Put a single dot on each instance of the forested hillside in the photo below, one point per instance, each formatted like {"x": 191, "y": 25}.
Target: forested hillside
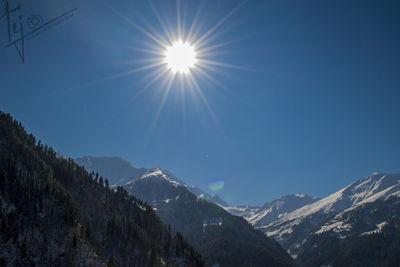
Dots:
{"x": 54, "y": 212}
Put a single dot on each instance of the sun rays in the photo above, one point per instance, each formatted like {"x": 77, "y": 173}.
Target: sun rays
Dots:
{"x": 179, "y": 56}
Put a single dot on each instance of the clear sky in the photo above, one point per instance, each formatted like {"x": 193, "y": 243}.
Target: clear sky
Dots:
{"x": 305, "y": 96}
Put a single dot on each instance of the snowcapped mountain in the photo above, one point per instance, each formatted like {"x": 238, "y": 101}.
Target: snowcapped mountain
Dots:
{"x": 271, "y": 211}
{"x": 291, "y": 229}
{"x": 365, "y": 235}
{"x": 160, "y": 185}
{"x": 156, "y": 186}
{"x": 121, "y": 172}
{"x": 298, "y": 222}
{"x": 206, "y": 225}
{"x": 221, "y": 238}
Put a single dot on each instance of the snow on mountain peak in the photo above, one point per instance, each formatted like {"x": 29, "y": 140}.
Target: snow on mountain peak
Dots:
{"x": 364, "y": 190}
{"x": 374, "y": 187}
{"x": 160, "y": 173}
{"x": 154, "y": 172}
{"x": 272, "y": 210}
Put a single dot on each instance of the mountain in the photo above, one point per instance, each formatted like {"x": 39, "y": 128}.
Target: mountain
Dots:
{"x": 190, "y": 210}
{"x": 116, "y": 169}
{"x": 366, "y": 235}
{"x": 271, "y": 211}
{"x": 222, "y": 239}
{"x": 120, "y": 171}
{"x": 55, "y": 213}
{"x": 157, "y": 181}
{"x": 292, "y": 228}
{"x": 358, "y": 225}
{"x": 155, "y": 187}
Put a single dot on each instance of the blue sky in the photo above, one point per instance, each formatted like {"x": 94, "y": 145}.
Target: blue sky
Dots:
{"x": 311, "y": 106}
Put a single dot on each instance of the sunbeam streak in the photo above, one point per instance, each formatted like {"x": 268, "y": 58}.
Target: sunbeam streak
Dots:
{"x": 179, "y": 56}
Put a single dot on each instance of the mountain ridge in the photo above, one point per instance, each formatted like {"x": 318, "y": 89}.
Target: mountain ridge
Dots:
{"x": 116, "y": 169}
{"x": 206, "y": 225}
{"x": 271, "y": 210}
{"x": 290, "y": 229}
{"x": 110, "y": 167}
{"x": 220, "y": 237}
{"x": 295, "y": 219}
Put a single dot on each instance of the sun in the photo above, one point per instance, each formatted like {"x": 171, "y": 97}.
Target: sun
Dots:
{"x": 180, "y": 57}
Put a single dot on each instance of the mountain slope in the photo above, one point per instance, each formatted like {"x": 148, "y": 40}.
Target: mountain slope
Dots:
{"x": 120, "y": 171}
{"x": 116, "y": 169}
{"x": 220, "y": 237}
{"x": 367, "y": 235}
{"x": 292, "y": 228}
{"x": 54, "y": 213}
{"x": 271, "y": 211}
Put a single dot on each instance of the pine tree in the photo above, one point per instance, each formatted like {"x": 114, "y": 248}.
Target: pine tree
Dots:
{"x": 111, "y": 260}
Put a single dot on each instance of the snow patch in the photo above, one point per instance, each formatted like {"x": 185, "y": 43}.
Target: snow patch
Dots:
{"x": 160, "y": 174}
{"x": 337, "y": 227}
{"x": 378, "y": 229}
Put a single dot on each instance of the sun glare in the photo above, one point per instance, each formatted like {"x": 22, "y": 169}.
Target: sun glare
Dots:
{"x": 180, "y": 57}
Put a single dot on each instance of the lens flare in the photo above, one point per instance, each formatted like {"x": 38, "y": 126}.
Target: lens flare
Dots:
{"x": 216, "y": 186}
